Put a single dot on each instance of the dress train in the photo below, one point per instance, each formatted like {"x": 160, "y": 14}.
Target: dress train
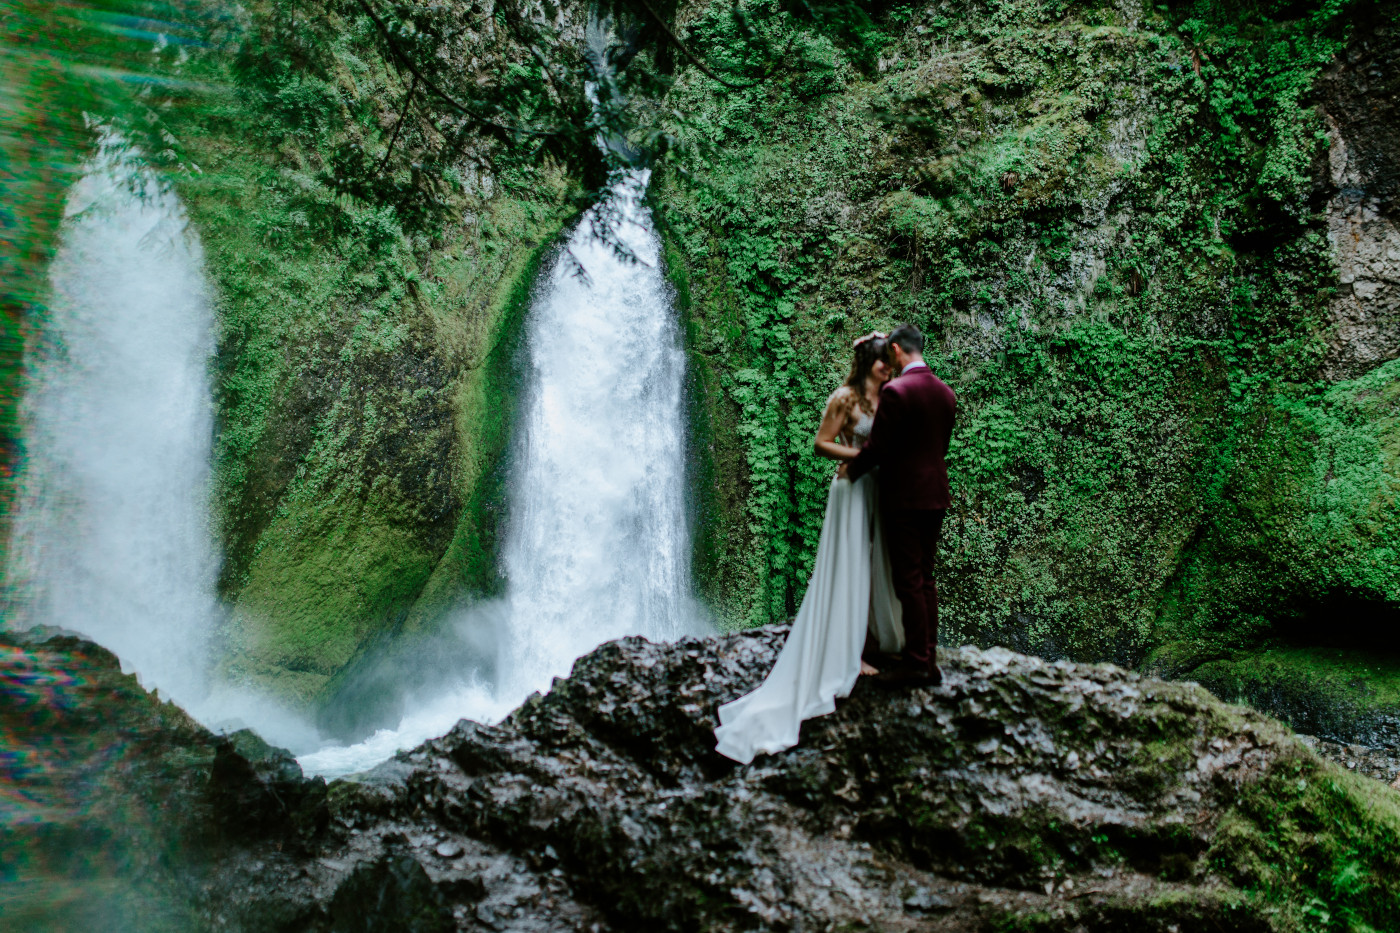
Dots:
{"x": 850, "y": 592}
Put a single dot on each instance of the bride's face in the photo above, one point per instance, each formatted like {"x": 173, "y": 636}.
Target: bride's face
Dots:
{"x": 881, "y": 371}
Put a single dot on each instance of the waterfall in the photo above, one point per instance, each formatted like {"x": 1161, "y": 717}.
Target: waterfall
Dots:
{"x": 598, "y": 543}
{"x": 111, "y": 535}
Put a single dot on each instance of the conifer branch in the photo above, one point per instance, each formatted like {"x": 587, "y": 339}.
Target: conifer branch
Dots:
{"x": 695, "y": 59}
{"x": 407, "y": 63}
{"x": 398, "y": 125}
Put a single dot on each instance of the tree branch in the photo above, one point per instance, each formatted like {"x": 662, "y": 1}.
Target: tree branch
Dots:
{"x": 430, "y": 85}
{"x": 398, "y": 124}
{"x": 695, "y": 59}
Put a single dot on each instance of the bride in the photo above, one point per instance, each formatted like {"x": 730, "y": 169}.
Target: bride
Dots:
{"x": 850, "y": 592}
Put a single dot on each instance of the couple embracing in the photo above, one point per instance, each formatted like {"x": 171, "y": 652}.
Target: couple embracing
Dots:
{"x": 871, "y": 606}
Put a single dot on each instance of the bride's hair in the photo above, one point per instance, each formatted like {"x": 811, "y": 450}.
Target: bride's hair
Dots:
{"x": 868, "y": 349}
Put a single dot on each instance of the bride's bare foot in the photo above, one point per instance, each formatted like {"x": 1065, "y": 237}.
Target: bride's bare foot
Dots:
{"x": 867, "y": 669}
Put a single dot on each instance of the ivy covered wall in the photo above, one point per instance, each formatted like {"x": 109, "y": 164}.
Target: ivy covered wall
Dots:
{"x": 1116, "y": 224}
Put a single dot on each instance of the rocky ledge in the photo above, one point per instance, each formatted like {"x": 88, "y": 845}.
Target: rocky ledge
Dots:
{"x": 1019, "y": 795}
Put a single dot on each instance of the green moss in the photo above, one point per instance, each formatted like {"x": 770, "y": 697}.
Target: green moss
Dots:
{"x": 1372, "y": 679}
{"x": 368, "y": 321}
{"x": 711, "y": 508}
{"x": 1318, "y": 844}
{"x": 1101, "y": 219}
{"x": 1307, "y": 515}
{"x": 1349, "y": 695}
{"x": 326, "y": 579}
{"x": 486, "y": 408}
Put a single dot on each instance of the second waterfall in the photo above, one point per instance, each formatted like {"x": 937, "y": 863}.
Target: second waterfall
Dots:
{"x": 598, "y": 542}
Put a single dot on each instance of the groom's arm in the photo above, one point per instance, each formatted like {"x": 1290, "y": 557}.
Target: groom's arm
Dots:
{"x": 881, "y": 438}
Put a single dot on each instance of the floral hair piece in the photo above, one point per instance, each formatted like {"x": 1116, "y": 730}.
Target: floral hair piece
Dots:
{"x": 873, "y": 335}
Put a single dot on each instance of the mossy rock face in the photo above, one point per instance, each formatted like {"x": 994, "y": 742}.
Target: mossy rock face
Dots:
{"x": 370, "y": 315}
{"x": 1121, "y": 229}
{"x": 1345, "y": 695}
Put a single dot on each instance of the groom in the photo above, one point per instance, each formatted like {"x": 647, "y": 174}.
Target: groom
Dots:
{"x": 908, "y": 442}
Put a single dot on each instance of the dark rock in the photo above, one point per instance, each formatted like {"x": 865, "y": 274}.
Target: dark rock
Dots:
{"x": 258, "y": 790}
{"x": 391, "y": 895}
{"x": 1018, "y": 793}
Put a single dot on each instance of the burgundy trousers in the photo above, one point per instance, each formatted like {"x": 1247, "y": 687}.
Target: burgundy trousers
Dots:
{"x": 912, "y": 538}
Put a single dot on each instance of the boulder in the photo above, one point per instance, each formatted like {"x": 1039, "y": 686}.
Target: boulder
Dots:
{"x": 1019, "y": 794}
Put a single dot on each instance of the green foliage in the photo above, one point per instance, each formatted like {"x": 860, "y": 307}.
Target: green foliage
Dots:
{"x": 368, "y": 311}
{"x": 1102, "y": 222}
{"x": 1317, "y": 844}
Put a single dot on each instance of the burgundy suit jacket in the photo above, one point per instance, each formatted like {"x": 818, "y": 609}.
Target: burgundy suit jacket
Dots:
{"x": 909, "y": 441}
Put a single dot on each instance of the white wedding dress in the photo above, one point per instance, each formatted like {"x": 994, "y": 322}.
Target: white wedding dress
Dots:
{"x": 850, "y": 592}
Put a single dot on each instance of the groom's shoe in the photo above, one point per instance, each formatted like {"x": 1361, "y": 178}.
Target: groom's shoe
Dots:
{"x": 893, "y": 680}
{"x": 911, "y": 675}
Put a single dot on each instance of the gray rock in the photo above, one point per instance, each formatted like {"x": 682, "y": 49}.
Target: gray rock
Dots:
{"x": 1016, "y": 789}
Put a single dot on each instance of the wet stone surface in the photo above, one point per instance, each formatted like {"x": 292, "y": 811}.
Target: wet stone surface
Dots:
{"x": 1065, "y": 796}
{"x": 1383, "y": 764}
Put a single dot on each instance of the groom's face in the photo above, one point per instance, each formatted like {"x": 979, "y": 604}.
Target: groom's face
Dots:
{"x": 898, "y": 358}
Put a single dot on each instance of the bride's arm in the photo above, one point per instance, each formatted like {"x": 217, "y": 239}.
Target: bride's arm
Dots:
{"x": 838, "y": 410}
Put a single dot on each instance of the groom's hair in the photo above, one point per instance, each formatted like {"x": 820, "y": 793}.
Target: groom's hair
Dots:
{"x": 908, "y": 338}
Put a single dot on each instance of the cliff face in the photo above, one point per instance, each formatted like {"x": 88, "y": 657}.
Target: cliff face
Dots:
{"x": 373, "y": 254}
{"x": 1151, "y": 248}
{"x": 1362, "y": 182}
{"x": 1021, "y": 794}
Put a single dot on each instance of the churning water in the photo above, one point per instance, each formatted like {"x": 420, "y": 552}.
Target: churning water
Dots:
{"x": 112, "y": 533}
{"x": 598, "y": 544}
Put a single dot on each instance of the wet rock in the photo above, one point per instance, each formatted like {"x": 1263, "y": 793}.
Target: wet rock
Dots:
{"x": 448, "y": 850}
{"x": 1018, "y": 788}
{"x": 1361, "y": 181}
{"x": 1382, "y": 764}
{"x": 391, "y": 895}
{"x": 924, "y": 901}
{"x": 1019, "y": 792}
{"x": 101, "y": 783}
{"x": 259, "y": 790}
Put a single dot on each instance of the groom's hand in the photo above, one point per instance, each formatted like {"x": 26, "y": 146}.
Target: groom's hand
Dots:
{"x": 841, "y": 470}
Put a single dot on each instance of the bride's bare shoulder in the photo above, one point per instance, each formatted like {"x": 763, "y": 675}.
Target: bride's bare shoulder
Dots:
{"x": 844, "y": 397}
{"x": 840, "y": 404}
